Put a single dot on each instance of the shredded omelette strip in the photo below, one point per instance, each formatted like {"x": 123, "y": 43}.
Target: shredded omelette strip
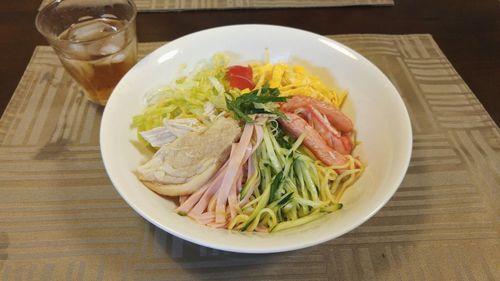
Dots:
{"x": 295, "y": 80}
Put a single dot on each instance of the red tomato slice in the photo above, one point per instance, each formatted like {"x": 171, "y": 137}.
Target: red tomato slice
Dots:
{"x": 245, "y": 71}
{"x": 240, "y": 77}
{"x": 240, "y": 82}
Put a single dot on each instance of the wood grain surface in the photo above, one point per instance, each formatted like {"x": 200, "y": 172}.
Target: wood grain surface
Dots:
{"x": 176, "y": 5}
{"x": 467, "y": 31}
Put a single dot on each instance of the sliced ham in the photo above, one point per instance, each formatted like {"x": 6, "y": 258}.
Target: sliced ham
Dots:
{"x": 234, "y": 164}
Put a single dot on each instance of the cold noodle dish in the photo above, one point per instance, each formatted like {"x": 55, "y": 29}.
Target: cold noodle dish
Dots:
{"x": 256, "y": 147}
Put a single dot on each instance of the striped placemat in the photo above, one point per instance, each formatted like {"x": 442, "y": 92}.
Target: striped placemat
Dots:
{"x": 61, "y": 219}
{"x": 179, "y": 5}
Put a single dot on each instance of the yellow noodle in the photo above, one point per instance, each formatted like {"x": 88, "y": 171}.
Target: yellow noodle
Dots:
{"x": 238, "y": 220}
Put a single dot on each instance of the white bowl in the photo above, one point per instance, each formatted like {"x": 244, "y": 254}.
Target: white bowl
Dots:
{"x": 378, "y": 112}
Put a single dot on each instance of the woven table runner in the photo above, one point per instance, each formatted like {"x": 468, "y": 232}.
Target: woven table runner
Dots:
{"x": 179, "y": 5}
{"x": 61, "y": 219}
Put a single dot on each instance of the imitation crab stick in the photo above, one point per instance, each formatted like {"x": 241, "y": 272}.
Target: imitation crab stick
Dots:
{"x": 296, "y": 126}
{"x": 338, "y": 119}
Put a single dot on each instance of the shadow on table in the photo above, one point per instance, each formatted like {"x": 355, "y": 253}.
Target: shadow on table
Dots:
{"x": 357, "y": 255}
{"x": 165, "y": 256}
{"x": 4, "y": 244}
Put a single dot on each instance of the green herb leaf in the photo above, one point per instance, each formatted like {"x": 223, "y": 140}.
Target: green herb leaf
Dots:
{"x": 257, "y": 101}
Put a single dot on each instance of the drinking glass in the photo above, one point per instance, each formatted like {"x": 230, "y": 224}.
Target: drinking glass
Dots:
{"x": 95, "y": 41}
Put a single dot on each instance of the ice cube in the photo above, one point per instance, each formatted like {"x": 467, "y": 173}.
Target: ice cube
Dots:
{"x": 112, "y": 44}
{"x": 90, "y": 30}
{"x": 77, "y": 50}
{"x": 118, "y": 58}
{"x": 109, "y": 49}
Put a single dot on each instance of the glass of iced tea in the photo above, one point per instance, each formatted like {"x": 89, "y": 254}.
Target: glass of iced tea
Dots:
{"x": 95, "y": 40}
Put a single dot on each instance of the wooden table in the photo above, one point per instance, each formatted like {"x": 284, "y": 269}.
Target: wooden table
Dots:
{"x": 467, "y": 31}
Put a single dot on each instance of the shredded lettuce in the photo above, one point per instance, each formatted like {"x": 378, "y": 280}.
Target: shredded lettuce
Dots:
{"x": 187, "y": 96}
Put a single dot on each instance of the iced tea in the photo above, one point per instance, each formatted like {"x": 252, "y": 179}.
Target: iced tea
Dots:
{"x": 94, "y": 39}
{"x": 102, "y": 62}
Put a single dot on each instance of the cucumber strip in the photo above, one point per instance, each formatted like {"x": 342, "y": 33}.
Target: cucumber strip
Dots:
{"x": 289, "y": 224}
{"x": 264, "y": 199}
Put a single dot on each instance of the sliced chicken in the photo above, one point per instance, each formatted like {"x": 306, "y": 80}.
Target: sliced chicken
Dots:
{"x": 184, "y": 165}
